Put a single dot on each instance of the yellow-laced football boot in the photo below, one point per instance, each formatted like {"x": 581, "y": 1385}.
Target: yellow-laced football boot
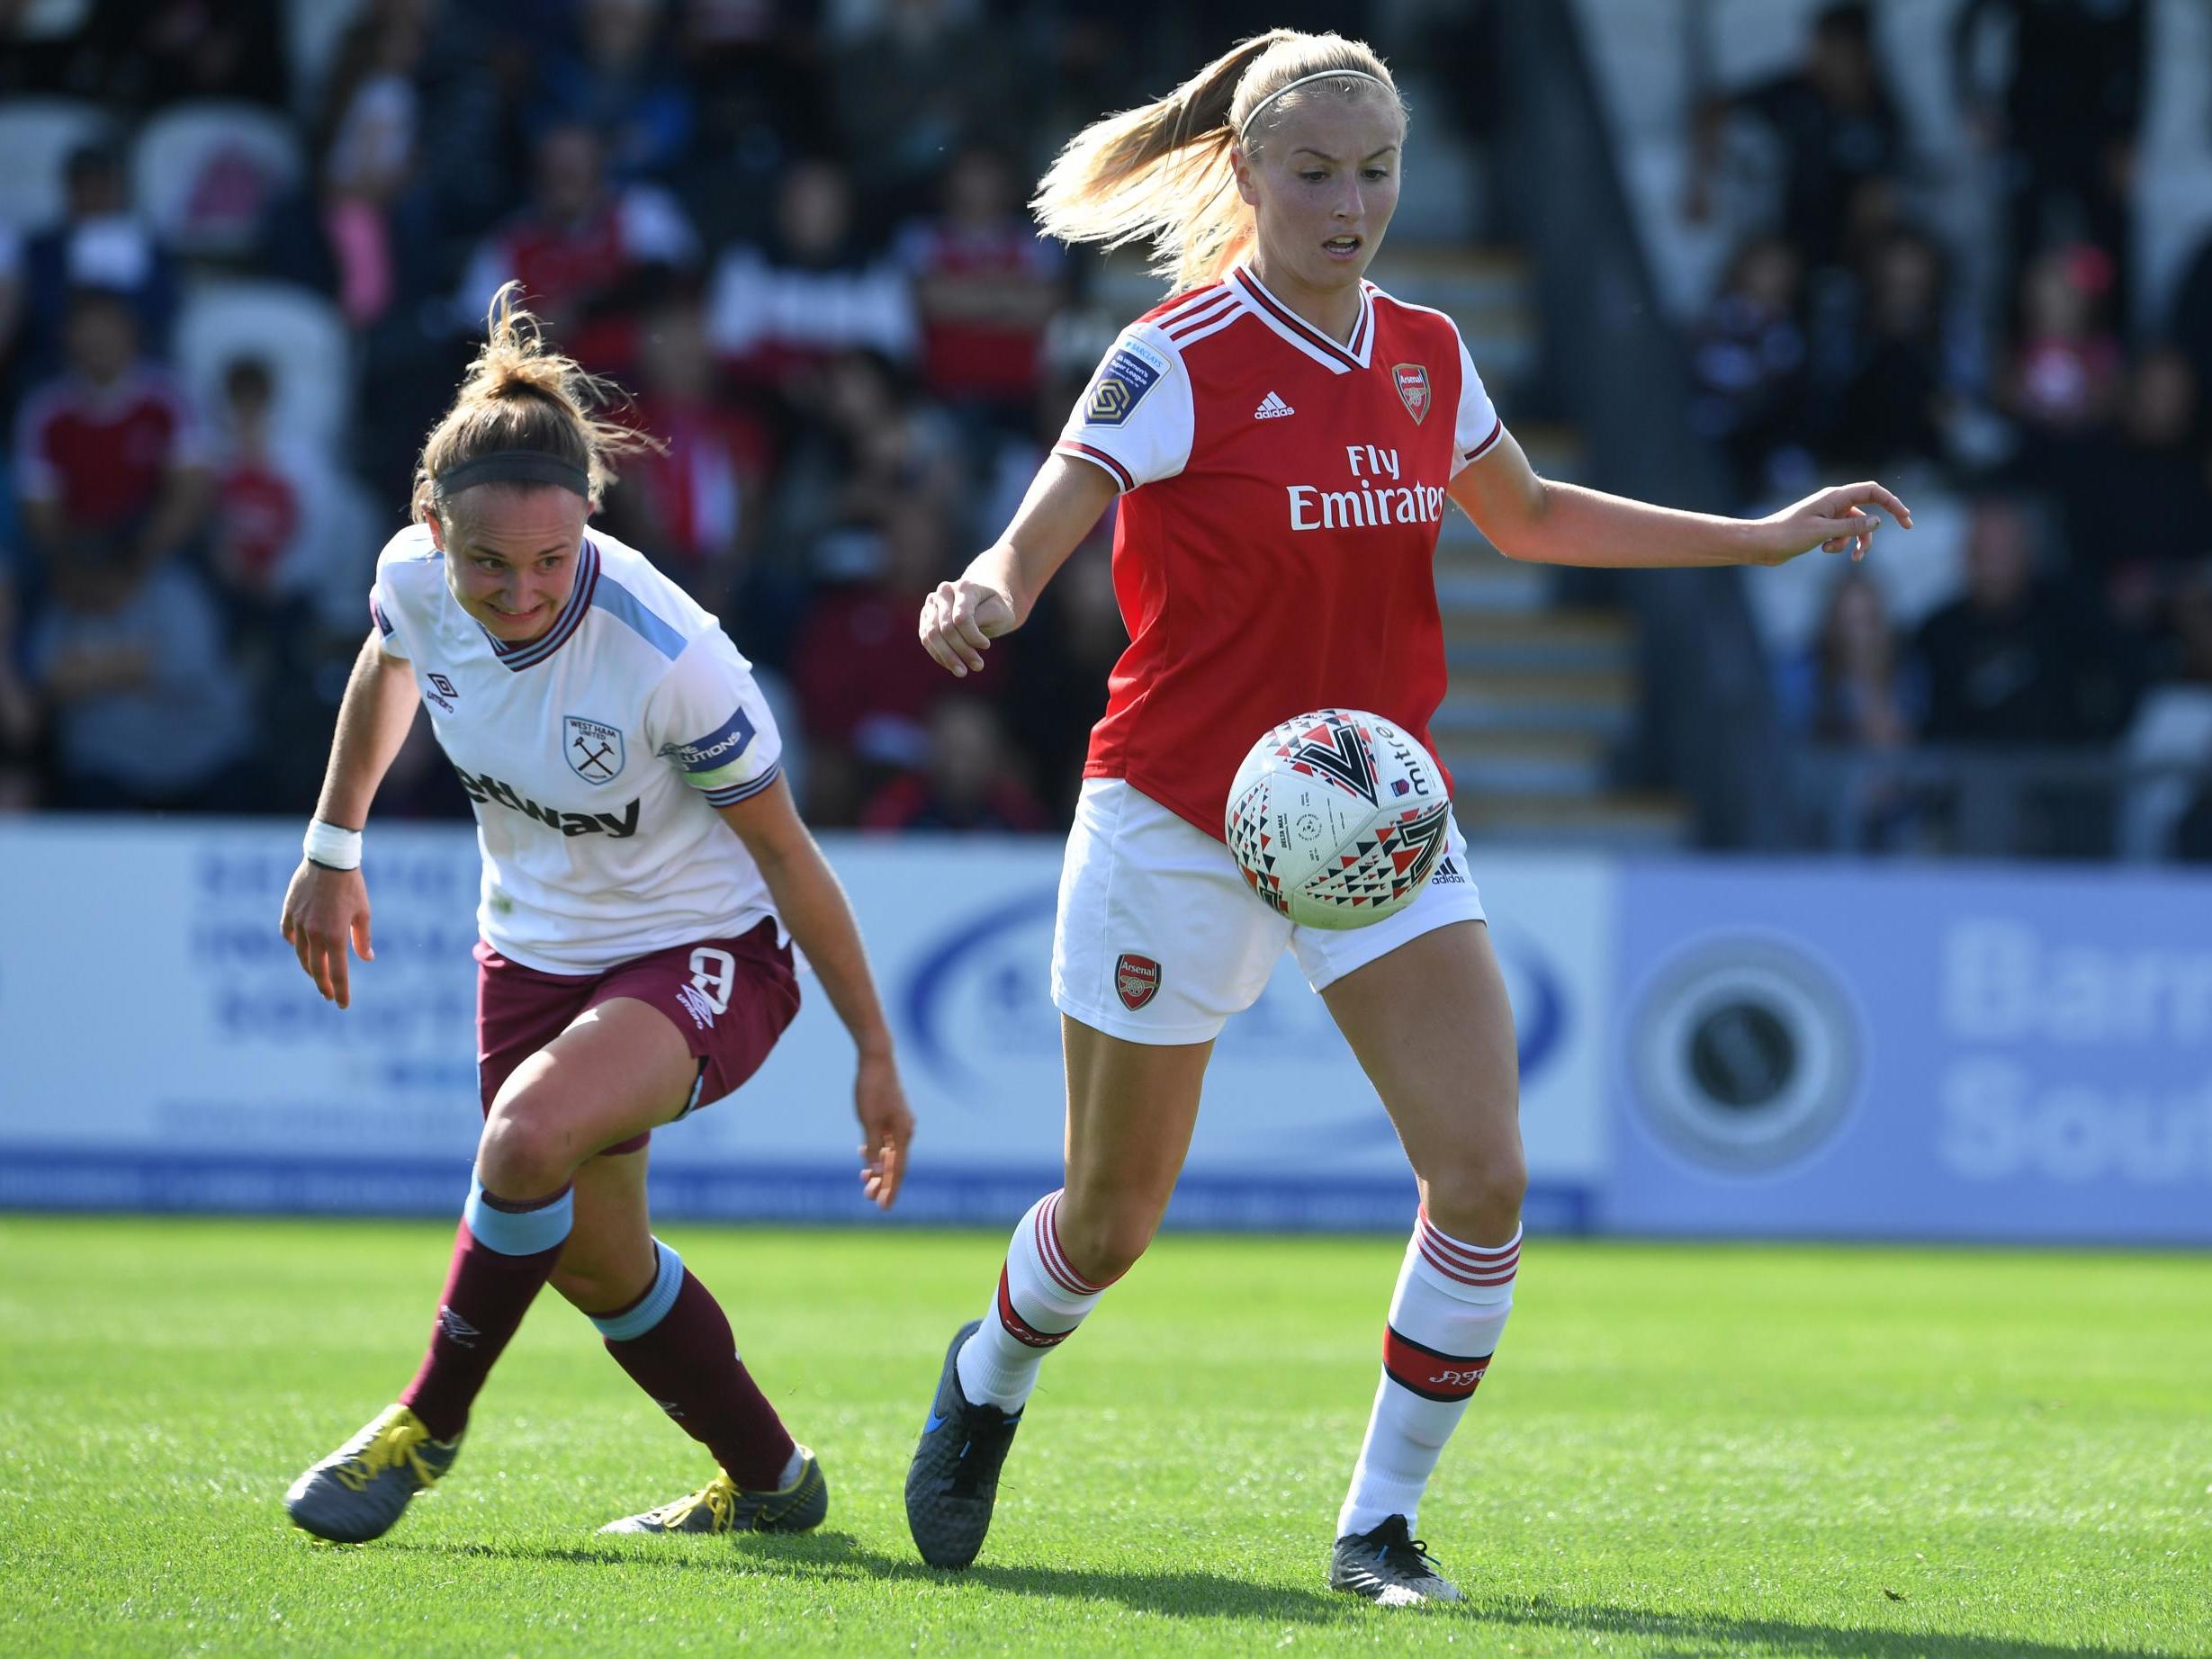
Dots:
{"x": 357, "y": 1492}
{"x": 722, "y": 1505}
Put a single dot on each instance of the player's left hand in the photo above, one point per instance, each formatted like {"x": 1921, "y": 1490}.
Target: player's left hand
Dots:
{"x": 880, "y": 1102}
{"x": 1835, "y": 520}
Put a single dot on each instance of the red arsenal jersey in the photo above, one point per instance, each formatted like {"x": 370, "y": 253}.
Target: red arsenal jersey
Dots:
{"x": 1275, "y": 547}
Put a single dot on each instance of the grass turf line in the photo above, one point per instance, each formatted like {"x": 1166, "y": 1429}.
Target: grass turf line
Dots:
{"x": 1847, "y": 1454}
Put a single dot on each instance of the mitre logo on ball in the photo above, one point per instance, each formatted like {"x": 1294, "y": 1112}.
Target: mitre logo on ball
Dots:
{"x": 1336, "y": 819}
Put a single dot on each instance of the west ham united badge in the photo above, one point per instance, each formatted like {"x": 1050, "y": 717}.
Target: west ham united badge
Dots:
{"x": 1411, "y": 379}
{"x": 1137, "y": 979}
{"x": 592, "y": 749}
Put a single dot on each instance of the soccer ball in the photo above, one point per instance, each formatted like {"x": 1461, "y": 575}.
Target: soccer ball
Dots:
{"x": 1337, "y": 818}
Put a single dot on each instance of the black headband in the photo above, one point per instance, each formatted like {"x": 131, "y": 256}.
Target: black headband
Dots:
{"x": 517, "y": 466}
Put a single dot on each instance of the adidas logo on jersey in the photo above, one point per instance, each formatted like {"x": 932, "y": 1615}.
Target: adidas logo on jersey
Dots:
{"x": 1272, "y": 408}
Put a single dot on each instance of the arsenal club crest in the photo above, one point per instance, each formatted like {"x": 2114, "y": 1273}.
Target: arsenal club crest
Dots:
{"x": 1411, "y": 379}
{"x": 593, "y": 751}
{"x": 1137, "y": 979}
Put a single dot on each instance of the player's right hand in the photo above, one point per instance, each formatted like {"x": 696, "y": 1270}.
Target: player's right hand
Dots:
{"x": 960, "y": 620}
{"x": 324, "y": 911}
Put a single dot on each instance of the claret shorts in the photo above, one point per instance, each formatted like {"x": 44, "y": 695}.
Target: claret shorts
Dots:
{"x": 731, "y": 999}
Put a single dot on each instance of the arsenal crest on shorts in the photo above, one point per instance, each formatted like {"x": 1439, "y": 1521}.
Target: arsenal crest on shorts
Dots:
{"x": 1137, "y": 979}
{"x": 1411, "y": 379}
{"x": 592, "y": 749}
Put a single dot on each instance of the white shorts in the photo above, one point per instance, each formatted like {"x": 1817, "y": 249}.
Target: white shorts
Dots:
{"x": 1158, "y": 940}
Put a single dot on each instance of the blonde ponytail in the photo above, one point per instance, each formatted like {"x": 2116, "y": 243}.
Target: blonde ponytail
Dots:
{"x": 1161, "y": 171}
{"x": 520, "y": 394}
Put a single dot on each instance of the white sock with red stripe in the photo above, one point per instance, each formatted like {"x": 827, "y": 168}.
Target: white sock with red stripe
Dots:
{"x": 1040, "y": 1301}
{"x": 1451, "y": 1303}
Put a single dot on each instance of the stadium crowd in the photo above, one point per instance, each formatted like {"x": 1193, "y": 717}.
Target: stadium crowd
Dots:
{"x": 1860, "y": 329}
{"x": 795, "y": 230}
{"x": 795, "y": 234}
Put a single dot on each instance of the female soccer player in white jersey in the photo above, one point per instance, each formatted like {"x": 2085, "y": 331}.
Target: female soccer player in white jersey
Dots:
{"x": 1283, "y": 435}
{"x": 645, "y": 871}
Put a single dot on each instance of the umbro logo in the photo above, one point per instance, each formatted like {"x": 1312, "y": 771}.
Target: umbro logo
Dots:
{"x": 457, "y": 1329}
{"x": 1272, "y": 408}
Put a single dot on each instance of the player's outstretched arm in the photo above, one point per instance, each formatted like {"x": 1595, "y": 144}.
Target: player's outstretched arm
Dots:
{"x": 995, "y": 593}
{"x": 325, "y": 909}
{"x": 1544, "y": 522}
{"x": 813, "y": 905}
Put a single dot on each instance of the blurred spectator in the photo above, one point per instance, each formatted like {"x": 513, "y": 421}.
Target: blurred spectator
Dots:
{"x": 2191, "y": 313}
{"x": 2066, "y": 372}
{"x": 21, "y": 723}
{"x": 873, "y": 453}
{"x": 148, "y": 712}
{"x": 2063, "y": 124}
{"x": 2016, "y": 659}
{"x": 12, "y": 294}
{"x": 691, "y": 507}
{"x": 100, "y": 243}
{"x": 1748, "y": 361}
{"x": 760, "y": 79}
{"x": 374, "y": 117}
{"x": 984, "y": 283}
{"x": 1853, "y": 691}
{"x": 1834, "y": 122}
{"x": 109, "y": 451}
{"x": 908, "y": 76}
{"x": 590, "y": 255}
{"x": 2136, "y": 501}
{"x": 398, "y": 62}
{"x": 156, "y": 52}
{"x": 617, "y": 75}
{"x": 868, "y": 699}
{"x": 2172, "y": 814}
{"x": 969, "y": 782}
{"x": 281, "y": 518}
{"x": 1911, "y": 361}
{"x": 778, "y": 312}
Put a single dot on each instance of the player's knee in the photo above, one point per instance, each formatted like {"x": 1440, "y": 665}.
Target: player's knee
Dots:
{"x": 1103, "y": 1238}
{"x": 523, "y": 1154}
{"x": 1476, "y": 1193}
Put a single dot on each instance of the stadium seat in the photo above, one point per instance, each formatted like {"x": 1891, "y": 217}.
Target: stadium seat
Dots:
{"x": 297, "y": 332}
{"x": 205, "y": 174}
{"x": 36, "y": 136}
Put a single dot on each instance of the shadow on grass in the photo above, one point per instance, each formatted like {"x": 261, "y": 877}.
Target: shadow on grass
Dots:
{"x": 827, "y": 1556}
{"x": 1782, "y": 1636}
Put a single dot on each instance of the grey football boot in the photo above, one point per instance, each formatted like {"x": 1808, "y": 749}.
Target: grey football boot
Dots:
{"x": 722, "y": 1505}
{"x": 357, "y": 1492}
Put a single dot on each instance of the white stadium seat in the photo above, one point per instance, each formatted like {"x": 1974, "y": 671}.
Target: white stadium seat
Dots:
{"x": 205, "y": 173}
{"x": 297, "y": 332}
{"x": 36, "y": 137}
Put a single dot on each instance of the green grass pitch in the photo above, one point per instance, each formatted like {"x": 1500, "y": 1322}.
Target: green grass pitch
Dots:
{"x": 1681, "y": 1451}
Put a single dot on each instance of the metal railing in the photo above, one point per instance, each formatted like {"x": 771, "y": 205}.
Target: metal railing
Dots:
{"x": 2039, "y": 802}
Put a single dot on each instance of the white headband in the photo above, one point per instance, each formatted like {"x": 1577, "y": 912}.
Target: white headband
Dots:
{"x": 1325, "y": 74}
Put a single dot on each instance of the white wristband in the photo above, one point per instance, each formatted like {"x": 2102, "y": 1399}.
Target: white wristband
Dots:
{"x": 332, "y": 847}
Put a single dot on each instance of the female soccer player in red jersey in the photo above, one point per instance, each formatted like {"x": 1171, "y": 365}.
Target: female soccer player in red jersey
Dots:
{"x": 1283, "y": 435}
{"x": 645, "y": 873}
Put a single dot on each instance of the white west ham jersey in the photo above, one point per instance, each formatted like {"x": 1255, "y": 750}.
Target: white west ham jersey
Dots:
{"x": 595, "y": 755}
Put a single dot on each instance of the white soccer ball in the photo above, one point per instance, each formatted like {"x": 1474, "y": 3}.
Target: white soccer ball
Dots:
{"x": 1337, "y": 818}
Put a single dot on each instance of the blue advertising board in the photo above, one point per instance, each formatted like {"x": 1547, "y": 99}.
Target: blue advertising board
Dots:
{"x": 1908, "y": 1052}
